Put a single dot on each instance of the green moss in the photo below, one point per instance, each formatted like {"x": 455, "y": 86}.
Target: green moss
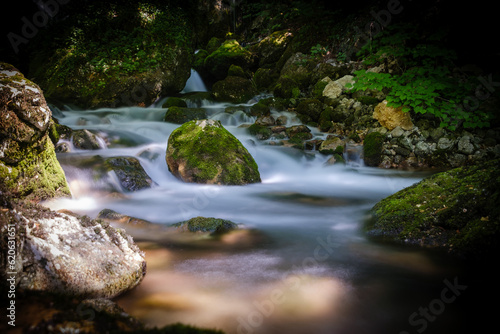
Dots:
{"x": 209, "y": 153}
{"x": 456, "y": 210}
{"x": 203, "y": 224}
{"x": 174, "y": 102}
{"x": 309, "y": 110}
{"x": 236, "y": 71}
{"x": 180, "y": 115}
{"x": 372, "y": 148}
{"x": 260, "y": 132}
{"x": 368, "y": 100}
{"x": 260, "y": 109}
{"x": 38, "y": 176}
{"x": 233, "y": 89}
{"x": 229, "y": 53}
{"x": 286, "y": 88}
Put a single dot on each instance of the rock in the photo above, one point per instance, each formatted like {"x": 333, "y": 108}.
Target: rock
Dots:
{"x": 63, "y": 254}
{"x": 332, "y": 90}
{"x": 130, "y": 173}
{"x": 28, "y": 164}
{"x": 134, "y": 73}
{"x": 265, "y": 121}
{"x": 203, "y": 224}
{"x": 298, "y": 68}
{"x": 179, "y": 115}
{"x": 372, "y": 148}
{"x": 296, "y": 129}
{"x": 465, "y": 146}
{"x": 286, "y": 88}
{"x": 234, "y": 90}
{"x": 309, "y": 110}
{"x": 174, "y": 102}
{"x": 86, "y": 140}
{"x": 260, "y": 109}
{"x": 260, "y": 132}
{"x": 397, "y": 132}
{"x": 390, "y": 117}
{"x": 445, "y": 143}
{"x": 204, "y": 152}
{"x": 455, "y": 210}
{"x": 230, "y": 52}
{"x": 270, "y": 49}
{"x": 333, "y": 145}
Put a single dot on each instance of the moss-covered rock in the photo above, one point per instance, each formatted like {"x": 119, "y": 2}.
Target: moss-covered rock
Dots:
{"x": 204, "y": 224}
{"x": 260, "y": 132}
{"x": 286, "y": 88}
{"x": 270, "y": 49}
{"x": 309, "y": 110}
{"x": 456, "y": 210}
{"x": 204, "y": 152}
{"x": 260, "y": 109}
{"x": 28, "y": 165}
{"x": 132, "y": 57}
{"x": 233, "y": 89}
{"x": 179, "y": 115}
{"x": 236, "y": 71}
{"x": 372, "y": 148}
{"x": 299, "y": 67}
{"x": 229, "y": 53}
{"x": 174, "y": 102}
{"x": 130, "y": 173}
{"x": 265, "y": 79}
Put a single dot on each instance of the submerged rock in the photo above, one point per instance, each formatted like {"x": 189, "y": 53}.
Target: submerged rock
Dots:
{"x": 204, "y": 152}
{"x": 455, "y": 210}
{"x": 63, "y": 254}
{"x": 130, "y": 173}
{"x": 28, "y": 164}
{"x": 204, "y": 224}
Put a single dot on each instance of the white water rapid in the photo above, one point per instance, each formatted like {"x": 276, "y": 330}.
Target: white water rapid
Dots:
{"x": 305, "y": 266}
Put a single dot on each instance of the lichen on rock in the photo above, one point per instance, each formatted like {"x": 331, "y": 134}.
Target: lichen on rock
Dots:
{"x": 28, "y": 164}
{"x": 203, "y": 151}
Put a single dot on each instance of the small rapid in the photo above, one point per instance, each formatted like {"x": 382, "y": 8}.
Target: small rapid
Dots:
{"x": 302, "y": 266}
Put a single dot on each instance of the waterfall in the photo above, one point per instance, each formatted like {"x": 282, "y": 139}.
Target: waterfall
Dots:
{"x": 194, "y": 83}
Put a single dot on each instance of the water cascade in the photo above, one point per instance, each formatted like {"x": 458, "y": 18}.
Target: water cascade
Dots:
{"x": 301, "y": 263}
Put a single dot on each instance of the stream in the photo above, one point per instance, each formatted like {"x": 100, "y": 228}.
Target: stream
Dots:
{"x": 301, "y": 262}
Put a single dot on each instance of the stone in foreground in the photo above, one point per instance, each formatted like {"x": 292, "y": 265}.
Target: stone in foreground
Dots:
{"x": 203, "y": 151}
{"x": 67, "y": 255}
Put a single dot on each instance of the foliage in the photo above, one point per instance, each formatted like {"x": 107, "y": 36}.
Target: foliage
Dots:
{"x": 109, "y": 40}
{"x": 421, "y": 78}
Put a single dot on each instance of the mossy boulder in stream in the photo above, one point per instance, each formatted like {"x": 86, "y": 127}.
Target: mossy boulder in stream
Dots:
{"x": 456, "y": 210}
{"x": 180, "y": 115}
{"x": 204, "y": 224}
{"x": 203, "y": 151}
{"x": 229, "y": 53}
{"x": 28, "y": 165}
{"x": 372, "y": 148}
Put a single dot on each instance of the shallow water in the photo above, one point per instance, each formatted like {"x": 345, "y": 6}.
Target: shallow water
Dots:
{"x": 300, "y": 264}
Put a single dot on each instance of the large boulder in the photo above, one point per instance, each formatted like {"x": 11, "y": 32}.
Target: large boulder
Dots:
{"x": 180, "y": 115}
{"x": 229, "y": 53}
{"x": 64, "y": 254}
{"x": 271, "y": 48}
{"x": 28, "y": 164}
{"x": 233, "y": 89}
{"x": 456, "y": 210}
{"x": 204, "y": 152}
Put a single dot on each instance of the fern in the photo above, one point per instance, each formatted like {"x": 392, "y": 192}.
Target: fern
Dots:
{"x": 423, "y": 82}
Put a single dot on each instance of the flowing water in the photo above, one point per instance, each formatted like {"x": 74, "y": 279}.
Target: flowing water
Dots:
{"x": 301, "y": 262}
